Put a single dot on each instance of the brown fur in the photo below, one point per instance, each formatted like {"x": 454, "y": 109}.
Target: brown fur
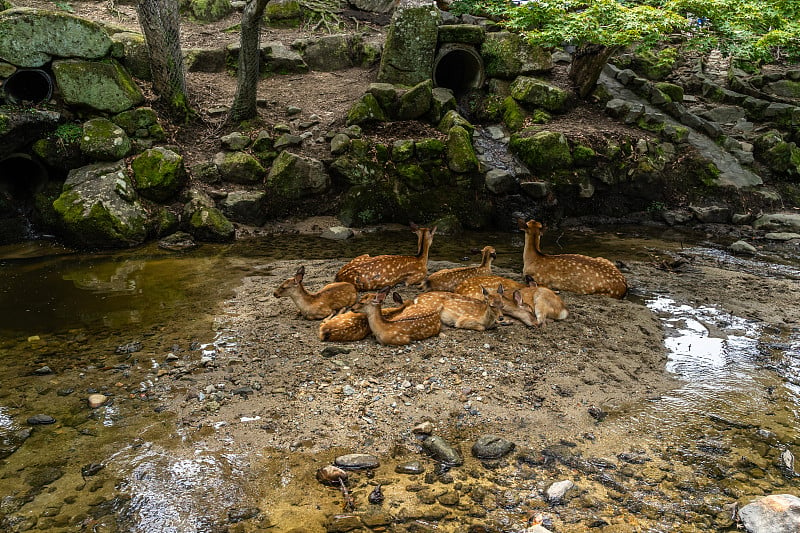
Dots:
{"x": 449, "y": 278}
{"x": 313, "y": 306}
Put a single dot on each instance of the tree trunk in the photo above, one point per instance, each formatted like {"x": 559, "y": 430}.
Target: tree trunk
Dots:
{"x": 587, "y": 64}
{"x": 244, "y": 103}
{"x": 160, "y": 23}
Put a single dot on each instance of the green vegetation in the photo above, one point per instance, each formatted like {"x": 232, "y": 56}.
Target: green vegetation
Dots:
{"x": 69, "y": 133}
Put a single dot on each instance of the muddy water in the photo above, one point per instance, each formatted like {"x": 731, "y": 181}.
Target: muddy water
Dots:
{"x": 113, "y": 323}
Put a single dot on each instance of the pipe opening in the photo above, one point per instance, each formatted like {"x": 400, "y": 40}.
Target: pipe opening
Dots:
{"x": 21, "y": 177}
{"x": 31, "y": 85}
{"x": 458, "y": 67}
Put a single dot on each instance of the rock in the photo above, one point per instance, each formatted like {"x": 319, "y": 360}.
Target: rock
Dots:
{"x": 209, "y": 224}
{"x": 31, "y": 37}
{"x": 208, "y": 10}
{"x": 235, "y": 141}
{"x": 544, "y": 151}
{"x": 331, "y": 52}
{"x": 284, "y": 13}
{"x": 356, "y": 461}
{"x": 99, "y": 208}
{"x": 178, "y": 242}
{"x": 676, "y": 217}
{"x": 491, "y": 447}
{"x": 534, "y": 93}
{"x": 103, "y": 86}
{"x": 342, "y": 523}
{"x": 461, "y": 155}
{"x": 102, "y": 140}
{"x": 442, "y": 101}
{"x": 43, "y": 371}
{"x": 442, "y": 451}
{"x": 411, "y": 468}
{"x": 20, "y": 127}
{"x": 247, "y": 207}
{"x": 462, "y": 33}
{"x": 277, "y": 57}
{"x": 159, "y": 174}
{"x": 535, "y": 189}
{"x": 365, "y": 110}
{"x": 777, "y": 513}
{"x": 712, "y": 214}
{"x": 408, "y": 52}
{"x": 781, "y": 236}
{"x": 500, "y": 181}
{"x": 41, "y": 420}
{"x": 555, "y": 493}
{"x": 96, "y": 400}
{"x": 778, "y": 222}
{"x": 239, "y": 167}
{"x": 287, "y": 140}
{"x": 507, "y": 55}
{"x": 337, "y": 233}
{"x": 742, "y": 247}
{"x": 453, "y": 118}
{"x": 423, "y": 428}
{"x": 340, "y": 144}
{"x": 416, "y": 101}
{"x": 135, "y": 56}
{"x": 293, "y": 177}
{"x": 243, "y": 513}
{"x": 140, "y": 122}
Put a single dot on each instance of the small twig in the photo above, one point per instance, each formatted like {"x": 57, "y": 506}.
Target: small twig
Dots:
{"x": 349, "y": 504}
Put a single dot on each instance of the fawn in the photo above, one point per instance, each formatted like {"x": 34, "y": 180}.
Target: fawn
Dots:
{"x": 404, "y": 328}
{"x": 370, "y": 273}
{"x": 330, "y": 298}
{"x": 449, "y": 278}
{"x": 513, "y": 306}
{"x": 545, "y": 303}
{"x": 464, "y": 312}
{"x": 570, "y": 272}
{"x": 353, "y": 326}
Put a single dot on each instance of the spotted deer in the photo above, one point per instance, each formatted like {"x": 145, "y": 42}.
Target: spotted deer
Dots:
{"x": 569, "y": 272}
{"x": 371, "y": 273}
{"x": 313, "y": 306}
{"x": 449, "y": 278}
{"x": 464, "y": 312}
{"x": 352, "y": 325}
{"x": 546, "y": 304}
{"x": 513, "y": 305}
{"x": 404, "y": 328}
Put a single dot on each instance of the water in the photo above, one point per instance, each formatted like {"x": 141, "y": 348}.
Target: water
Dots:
{"x": 103, "y": 322}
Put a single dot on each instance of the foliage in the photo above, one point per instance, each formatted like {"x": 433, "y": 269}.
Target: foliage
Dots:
{"x": 69, "y": 133}
{"x": 748, "y": 30}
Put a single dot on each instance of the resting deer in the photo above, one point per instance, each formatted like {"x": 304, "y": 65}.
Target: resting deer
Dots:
{"x": 545, "y": 303}
{"x": 329, "y": 299}
{"x": 569, "y": 272}
{"x": 353, "y": 325}
{"x": 404, "y": 328}
{"x": 370, "y": 273}
{"x": 513, "y": 306}
{"x": 449, "y": 278}
{"x": 463, "y": 312}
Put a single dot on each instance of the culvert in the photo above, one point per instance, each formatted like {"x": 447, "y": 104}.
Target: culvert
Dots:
{"x": 21, "y": 177}
{"x": 30, "y": 85}
{"x": 458, "y": 67}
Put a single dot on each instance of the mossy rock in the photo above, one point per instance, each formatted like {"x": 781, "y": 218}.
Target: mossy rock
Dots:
{"x": 416, "y": 102}
{"x": 784, "y": 159}
{"x": 372, "y": 203}
{"x": 159, "y": 174}
{"x": 239, "y": 167}
{"x": 356, "y": 171}
{"x": 210, "y": 225}
{"x": 163, "y": 222}
{"x": 453, "y": 118}
{"x": 284, "y": 13}
{"x": 672, "y": 91}
{"x": 513, "y": 114}
{"x": 403, "y": 150}
{"x": 583, "y": 156}
{"x": 534, "y": 93}
{"x": 365, "y": 111}
{"x": 542, "y": 152}
{"x": 207, "y": 10}
{"x": 427, "y": 149}
{"x": 461, "y": 155}
{"x": 412, "y": 175}
{"x": 387, "y": 96}
{"x": 140, "y": 122}
{"x": 104, "y": 141}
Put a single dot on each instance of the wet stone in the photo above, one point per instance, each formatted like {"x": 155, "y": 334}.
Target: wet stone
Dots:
{"x": 91, "y": 469}
{"x": 245, "y": 513}
{"x": 357, "y": 461}
{"x": 41, "y": 420}
{"x": 342, "y": 523}
{"x": 43, "y": 371}
{"x": 376, "y": 518}
{"x": 442, "y": 451}
{"x": 411, "y": 468}
{"x": 555, "y": 493}
{"x": 43, "y": 476}
{"x": 491, "y": 447}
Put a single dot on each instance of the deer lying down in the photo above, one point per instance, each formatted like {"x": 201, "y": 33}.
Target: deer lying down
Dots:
{"x": 569, "y": 272}
{"x": 513, "y": 306}
{"x": 449, "y": 278}
{"x": 404, "y": 328}
{"x": 545, "y": 303}
{"x": 370, "y": 273}
{"x": 352, "y": 325}
{"x": 313, "y": 306}
{"x": 463, "y": 312}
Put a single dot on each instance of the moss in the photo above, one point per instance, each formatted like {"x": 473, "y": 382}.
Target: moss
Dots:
{"x": 365, "y": 110}
{"x": 3, "y": 123}
{"x": 583, "y": 155}
{"x": 427, "y": 149}
{"x": 461, "y": 155}
{"x": 544, "y": 151}
{"x": 159, "y": 174}
{"x": 382, "y": 153}
{"x": 356, "y": 171}
{"x": 673, "y": 92}
{"x": 453, "y": 118}
{"x": 370, "y": 204}
{"x": 359, "y": 147}
{"x": 96, "y": 227}
{"x": 402, "y": 150}
{"x": 209, "y": 224}
{"x": 412, "y": 175}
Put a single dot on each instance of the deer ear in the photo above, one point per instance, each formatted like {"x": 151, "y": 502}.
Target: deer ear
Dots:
{"x": 298, "y": 276}
{"x": 484, "y": 291}
{"x": 521, "y": 224}
{"x": 413, "y": 226}
{"x": 433, "y": 231}
{"x": 500, "y": 289}
{"x": 518, "y": 297}
{"x": 530, "y": 281}
{"x": 397, "y": 298}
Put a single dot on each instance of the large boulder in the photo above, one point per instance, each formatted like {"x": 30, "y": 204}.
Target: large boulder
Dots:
{"x": 246, "y": 207}
{"x": 461, "y": 156}
{"x": 507, "y": 55}
{"x": 207, "y": 10}
{"x": 19, "y": 127}
{"x": 279, "y": 58}
{"x": 778, "y": 222}
{"x": 159, "y": 173}
{"x": 204, "y": 221}
{"x": 408, "y": 53}
{"x": 31, "y": 37}
{"x": 365, "y": 110}
{"x": 98, "y": 207}
{"x": 103, "y": 140}
{"x": 293, "y": 177}
{"x": 531, "y": 92}
{"x": 239, "y": 167}
{"x": 542, "y": 152}
{"x": 133, "y": 54}
{"x": 416, "y": 102}
{"x": 777, "y": 513}
{"x": 330, "y": 52}
{"x": 100, "y": 85}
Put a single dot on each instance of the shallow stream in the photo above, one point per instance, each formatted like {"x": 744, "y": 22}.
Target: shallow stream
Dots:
{"x": 76, "y": 324}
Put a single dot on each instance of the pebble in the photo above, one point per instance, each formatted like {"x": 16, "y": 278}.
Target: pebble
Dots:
{"x": 43, "y": 371}
{"x": 555, "y": 493}
{"x": 491, "y": 447}
{"x": 357, "y": 461}
{"x": 331, "y": 475}
{"x": 411, "y": 468}
{"x": 425, "y": 428}
{"x": 443, "y": 452}
{"x": 41, "y": 420}
{"x": 96, "y": 400}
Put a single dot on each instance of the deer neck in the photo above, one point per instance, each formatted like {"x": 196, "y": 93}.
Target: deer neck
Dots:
{"x": 299, "y": 294}
{"x": 424, "y": 247}
{"x": 532, "y": 251}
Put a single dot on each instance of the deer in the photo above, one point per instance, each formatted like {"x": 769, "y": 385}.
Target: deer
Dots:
{"x": 459, "y": 311}
{"x": 350, "y": 326}
{"x": 513, "y": 306}
{"x": 545, "y": 303}
{"x": 313, "y": 306}
{"x": 449, "y": 278}
{"x": 402, "y": 329}
{"x": 569, "y": 272}
{"x": 371, "y": 273}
